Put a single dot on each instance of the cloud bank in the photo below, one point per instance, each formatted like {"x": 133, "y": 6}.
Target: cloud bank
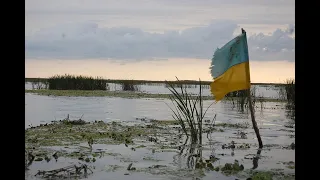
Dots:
{"x": 88, "y": 40}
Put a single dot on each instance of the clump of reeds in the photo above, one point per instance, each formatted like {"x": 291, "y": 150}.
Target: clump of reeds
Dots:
{"x": 129, "y": 85}
{"x": 287, "y": 92}
{"x": 240, "y": 98}
{"x": 188, "y": 111}
{"x": 290, "y": 92}
{"x": 71, "y": 82}
{"x": 290, "y": 112}
{"x": 282, "y": 92}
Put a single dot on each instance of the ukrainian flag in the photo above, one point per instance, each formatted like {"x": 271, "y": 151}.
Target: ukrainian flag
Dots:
{"x": 230, "y": 67}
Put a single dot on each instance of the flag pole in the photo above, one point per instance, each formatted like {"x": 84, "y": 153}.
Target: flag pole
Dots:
{"x": 254, "y": 123}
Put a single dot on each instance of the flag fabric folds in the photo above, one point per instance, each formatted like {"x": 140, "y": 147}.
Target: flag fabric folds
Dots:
{"x": 230, "y": 67}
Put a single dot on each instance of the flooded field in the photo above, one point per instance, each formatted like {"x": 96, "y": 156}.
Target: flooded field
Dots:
{"x": 118, "y": 131}
{"x": 261, "y": 91}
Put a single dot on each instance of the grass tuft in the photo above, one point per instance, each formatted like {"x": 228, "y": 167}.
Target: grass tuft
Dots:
{"x": 188, "y": 111}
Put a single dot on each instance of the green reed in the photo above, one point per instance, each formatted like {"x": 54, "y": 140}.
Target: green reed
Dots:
{"x": 189, "y": 111}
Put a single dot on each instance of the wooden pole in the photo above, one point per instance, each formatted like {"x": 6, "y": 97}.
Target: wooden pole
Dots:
{"x": 254, "y": 123}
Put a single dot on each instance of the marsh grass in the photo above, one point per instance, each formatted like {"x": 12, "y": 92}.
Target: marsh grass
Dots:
{"x": 72, "y": 82}
{"x": 290, "y": 95}
{"x": 290, "y": 92}
{"x": 188, "y": 111}
{"x": 287, "y": 92}
{"x": 239, "y": 99}
{"x": 282, "y": 93}
{"x": 290, "y": 113}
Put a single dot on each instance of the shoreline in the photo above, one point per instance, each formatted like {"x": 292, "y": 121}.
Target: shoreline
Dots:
{"x": 185, "y": 82}
{"x": 123, "y": 94}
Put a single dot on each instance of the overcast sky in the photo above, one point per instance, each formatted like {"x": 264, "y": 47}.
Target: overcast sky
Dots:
{"x": 144, "y": 30}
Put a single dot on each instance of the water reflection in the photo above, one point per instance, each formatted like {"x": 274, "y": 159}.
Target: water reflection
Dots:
{"x": 190, "y": 152}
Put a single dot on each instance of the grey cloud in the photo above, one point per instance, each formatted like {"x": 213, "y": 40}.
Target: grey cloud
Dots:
{"x": 291, "y": 29}
{"x": 128, "y": 4}
{"x": 280, "y": 45}
{"x": 88, "y": 40}
{"x": 243, "y": 11}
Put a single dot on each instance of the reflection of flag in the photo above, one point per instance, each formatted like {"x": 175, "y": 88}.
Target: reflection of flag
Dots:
{"x": 230, "y": 67}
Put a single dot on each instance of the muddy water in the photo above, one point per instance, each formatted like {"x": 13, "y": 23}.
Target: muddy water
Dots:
{"x": 276, "y": 129}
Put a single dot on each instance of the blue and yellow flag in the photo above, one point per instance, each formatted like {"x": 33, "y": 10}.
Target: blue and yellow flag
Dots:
{"x": 230, "y": 67}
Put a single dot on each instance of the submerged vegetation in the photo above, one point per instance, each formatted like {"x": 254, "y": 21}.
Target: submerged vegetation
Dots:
{"x": 72, "y": 82}
{"x": 87, "y": 142}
